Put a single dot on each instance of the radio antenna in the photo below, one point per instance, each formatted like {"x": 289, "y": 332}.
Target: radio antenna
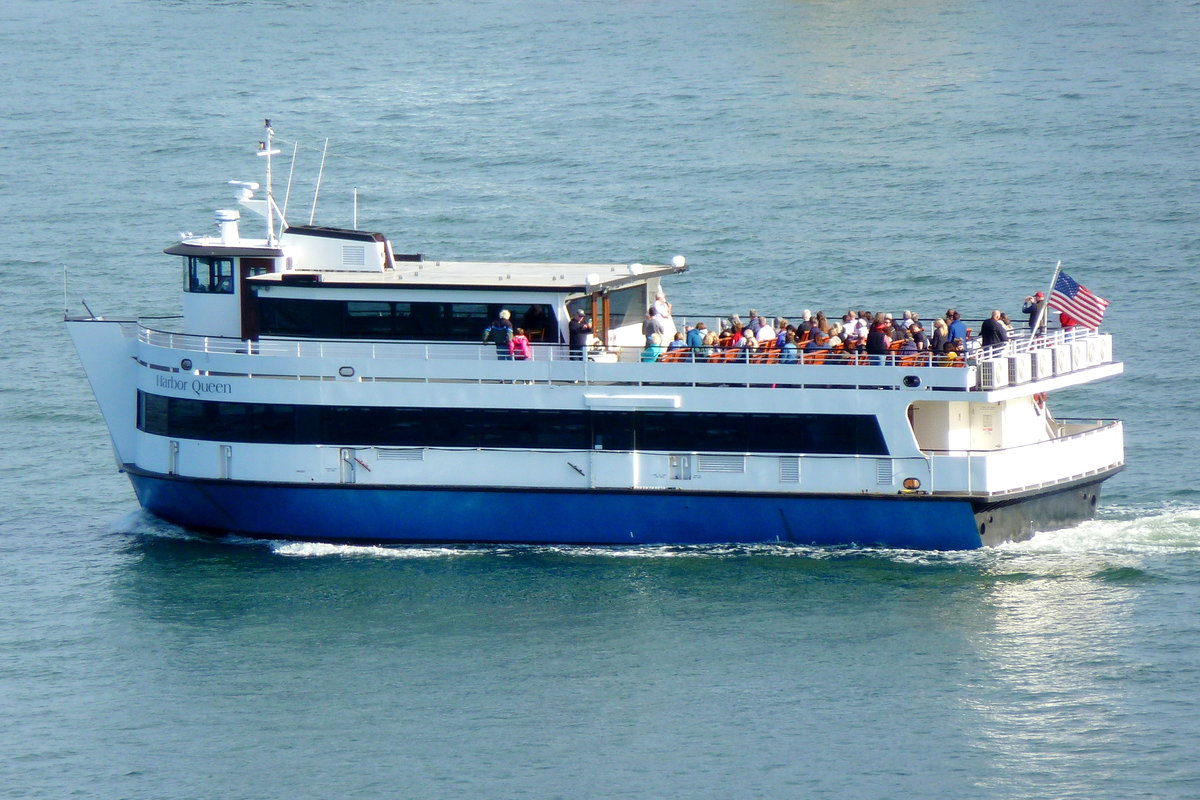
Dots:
{"x": 292, "y": 171}
{"x": 317, "y": 190}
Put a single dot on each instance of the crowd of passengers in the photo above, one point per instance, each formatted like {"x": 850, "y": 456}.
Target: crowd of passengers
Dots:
{"x": 859, "y": 337}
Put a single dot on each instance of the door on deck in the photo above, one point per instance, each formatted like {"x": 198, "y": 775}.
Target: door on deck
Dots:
{"x": 249, "y": 303}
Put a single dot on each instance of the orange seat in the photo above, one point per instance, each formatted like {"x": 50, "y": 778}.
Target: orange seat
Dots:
{"x": 816, "y": 357}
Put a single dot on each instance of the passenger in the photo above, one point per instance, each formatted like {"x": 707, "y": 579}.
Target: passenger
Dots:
{"x": 578, "y": 332}
{"x": 949, "y": 354}
{"x": 937, "y": 342}
{"x": 500, "y": 333}
{"x": 519, "y": 346}
{"x": 765, "y": 335}
{"x": 918, "y": 336}
{"x": 814, "y": 327}
{"x": 819, "y": 341}
{"x": 781, "y": 331}
{"x": 788, "y": 352}
{"x": 695, "y": 337}
{"x": 1033, "y": 307}
{"x": 678, "y": 342}
{"x": 752, "y": 323}
{"x": 662, "y": 310}
{"x": 850, "y": 329}
{"x": 653, "y": 325}
{"x": 955, "y": 327}
{"x": 746, "y": 345}
{"x": 993, "y": 331}
{"x": 653, "y": 348}
{"x": 822, "y": 323}
{"x": 835, "y": 337}
{"x": 878, "y": 340}
{"x": 907, "y": 320}
{"x": 709, "y": 350}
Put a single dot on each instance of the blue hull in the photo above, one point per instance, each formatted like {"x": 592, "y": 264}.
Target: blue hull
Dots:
{"x": 424, "y": 515}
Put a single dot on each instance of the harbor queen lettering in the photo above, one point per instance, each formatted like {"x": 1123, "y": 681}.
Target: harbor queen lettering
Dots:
{"x": 198, "y": 386}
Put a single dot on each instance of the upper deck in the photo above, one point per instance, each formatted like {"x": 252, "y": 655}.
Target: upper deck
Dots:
{"x": 1019, "y": 368}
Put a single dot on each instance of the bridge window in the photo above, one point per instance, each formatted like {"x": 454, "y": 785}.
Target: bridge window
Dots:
{"x": 209, "y": 275}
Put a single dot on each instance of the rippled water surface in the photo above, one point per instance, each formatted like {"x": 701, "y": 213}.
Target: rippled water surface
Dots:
{"x": 802, "y": 155}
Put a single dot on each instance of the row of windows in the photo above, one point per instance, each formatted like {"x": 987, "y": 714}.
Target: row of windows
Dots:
{"x": 185, "y": 418}
{"x": 360, "y": 319}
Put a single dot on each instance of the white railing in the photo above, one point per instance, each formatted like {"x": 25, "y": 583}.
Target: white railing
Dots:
{"x": 1097, "y": 449}
{"x": 449, "y": 352}
{"x": 1027, "y": 344}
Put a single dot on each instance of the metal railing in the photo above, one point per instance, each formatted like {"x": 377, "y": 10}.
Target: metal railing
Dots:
{"x": 557, "y": 352}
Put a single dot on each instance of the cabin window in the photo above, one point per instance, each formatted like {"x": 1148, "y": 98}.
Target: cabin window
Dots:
{"x": 404, "y": 321}
{"x": 185, "y": 418}
{"x": 627, "y": 306}
{"x": 209, "y": 275}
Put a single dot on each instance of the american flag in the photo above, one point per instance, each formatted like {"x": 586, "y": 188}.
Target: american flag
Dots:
{"x": 1070, "y": 296}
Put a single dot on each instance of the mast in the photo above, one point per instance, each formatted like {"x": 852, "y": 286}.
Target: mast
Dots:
{"x": 265, "y": 149}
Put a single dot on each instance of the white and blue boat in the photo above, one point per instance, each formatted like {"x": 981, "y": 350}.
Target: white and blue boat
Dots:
{"x": 322, "y": 386}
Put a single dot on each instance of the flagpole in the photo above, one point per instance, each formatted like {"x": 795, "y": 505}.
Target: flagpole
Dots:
{"x": 1044, "y": 311}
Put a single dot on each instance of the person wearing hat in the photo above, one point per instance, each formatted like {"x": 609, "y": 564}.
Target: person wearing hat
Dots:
{"x": 579, "y": 329}
{"x": 1033, "y": 307}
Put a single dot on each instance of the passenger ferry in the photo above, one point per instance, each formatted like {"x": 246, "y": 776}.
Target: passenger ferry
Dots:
{"x": 322, "y": 386}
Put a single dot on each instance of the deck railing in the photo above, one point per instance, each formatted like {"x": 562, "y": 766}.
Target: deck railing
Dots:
{"x": 595, "y": 359}
{"x": 1091, "y": 447}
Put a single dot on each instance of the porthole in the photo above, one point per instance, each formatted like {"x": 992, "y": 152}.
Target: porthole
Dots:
{"x": 186, "y": 364}
{"x": 912, "y": 381}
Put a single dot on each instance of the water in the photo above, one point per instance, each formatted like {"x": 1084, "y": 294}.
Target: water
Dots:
{"x": 802, "y": 155}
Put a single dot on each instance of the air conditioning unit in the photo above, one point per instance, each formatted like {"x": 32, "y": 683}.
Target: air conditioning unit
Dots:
{"x": 1061, "y": 355}
{"x": 1106, "y": 349}
{"x": 1020, "y": 368}
{"x": 1079, "y": 354}
{"x": 993, "y": 373}
{"x": 1041, "y": 363}
{"x": 1095, "y": 351}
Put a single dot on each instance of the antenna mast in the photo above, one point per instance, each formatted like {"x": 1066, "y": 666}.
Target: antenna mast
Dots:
{"x": 265, "y": 149}
{"x": 317, "y": 191}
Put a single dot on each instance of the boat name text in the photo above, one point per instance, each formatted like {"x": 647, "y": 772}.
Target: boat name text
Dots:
{"x": 199, "y": 387}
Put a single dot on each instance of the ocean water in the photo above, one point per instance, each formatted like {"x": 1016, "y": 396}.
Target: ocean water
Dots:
{"x": 820, "y": 155}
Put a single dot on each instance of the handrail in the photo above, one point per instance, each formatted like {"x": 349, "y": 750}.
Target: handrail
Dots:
{"x": 477, "y": 351}
{"x": 1107, "y": 423}
{"x": 1027, "y": 344}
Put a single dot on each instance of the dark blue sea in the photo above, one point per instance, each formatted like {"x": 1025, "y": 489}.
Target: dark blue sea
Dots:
{"x": 824, "y": 155}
